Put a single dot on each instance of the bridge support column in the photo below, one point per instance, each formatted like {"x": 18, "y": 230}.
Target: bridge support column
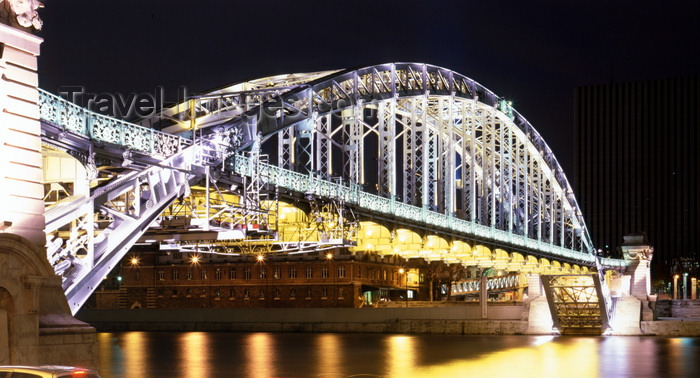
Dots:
{"x": 34, "y": 314}
{"x": 638, "y": 254}
{"x": 484, "y": 297}
{"x": 539, "y": 316}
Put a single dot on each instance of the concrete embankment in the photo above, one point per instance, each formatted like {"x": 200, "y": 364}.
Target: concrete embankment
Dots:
{"x": 503, "y": 320}
{"x": 463, "y": 320}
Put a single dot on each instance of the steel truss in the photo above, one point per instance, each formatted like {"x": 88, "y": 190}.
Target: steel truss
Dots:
{"x": 424, "y": 136}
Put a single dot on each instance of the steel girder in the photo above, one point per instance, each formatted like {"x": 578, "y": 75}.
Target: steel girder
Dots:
{"x": 441, "y": 141}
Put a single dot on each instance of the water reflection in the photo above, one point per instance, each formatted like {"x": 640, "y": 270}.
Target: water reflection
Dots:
{"x": 329, "y": 354}
{"x": 194, "y": 353}
{"x": 135, "y": 356}
{"x": 202, "y": 354}
{"x": 401, "y": 355}
{"x": 259, "y": 355}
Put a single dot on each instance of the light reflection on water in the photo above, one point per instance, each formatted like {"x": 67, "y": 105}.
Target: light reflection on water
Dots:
{"x": 211, "y": 354}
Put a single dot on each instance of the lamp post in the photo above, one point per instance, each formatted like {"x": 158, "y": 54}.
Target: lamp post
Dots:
{"x": 261, "y": 260}
{"x": 685, "y": 286}
{"x": 404, "y": 273}
{"x": 329, "y": 258}
{"x": 675, "y": 286}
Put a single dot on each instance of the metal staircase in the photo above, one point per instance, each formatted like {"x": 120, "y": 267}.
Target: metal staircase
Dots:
{"x": 577, "y": 303}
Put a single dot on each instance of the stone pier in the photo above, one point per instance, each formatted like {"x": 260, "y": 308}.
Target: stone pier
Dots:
{"x": 632, "y": 290}
{"x": 36, "y": 326}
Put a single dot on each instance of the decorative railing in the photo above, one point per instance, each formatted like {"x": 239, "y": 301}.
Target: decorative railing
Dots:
{"x": 353, "y": 195}
{"x": 98, "y": 127}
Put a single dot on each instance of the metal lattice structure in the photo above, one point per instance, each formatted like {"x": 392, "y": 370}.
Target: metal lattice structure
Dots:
{"x": 422, "y": 144}
{"x": 441, "y": 142}
{"x": 576, "y": 303}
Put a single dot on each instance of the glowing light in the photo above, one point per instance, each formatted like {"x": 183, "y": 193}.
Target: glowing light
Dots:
{"x": 401, "y": 271}
{"x": 134, "y": 261}
{"x": 329, "y": 256}
{"x": 260, "y": 258}
{"x": 195, "y": 259}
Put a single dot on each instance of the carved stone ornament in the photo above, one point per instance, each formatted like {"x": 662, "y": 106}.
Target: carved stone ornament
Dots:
{"x": 21, "y": 14}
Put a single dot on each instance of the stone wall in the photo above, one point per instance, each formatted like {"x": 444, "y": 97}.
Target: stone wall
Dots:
{"x": 438, "y": 320}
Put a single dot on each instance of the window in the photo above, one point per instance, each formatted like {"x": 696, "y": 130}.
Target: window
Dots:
{"x": 293, "y": 272}
{"x": 277, "y": 293}
{"x": 217, "y": 274}
{"x": 308, "y": 293}
{"x": 292, "y": 293}
{"x": 232, "y": 293}
{"x": 384, "y": 274}
{"x": 340, "y": 292}
{"x": 341, "y": 271}
{"x": 175, "y": 274}
{"x": 203, "y": 274}
{"x": 137, "y": 275}
{"x": 262, "y": 272}
{"x": 359, "y": 271}
{"x": 262, "y": 294}
{"x": 218, "y": 293}
{"x": 324, "y": 271}
{"x": 309, "y": 272}
{"x": 324, "y": 293}
{"x": 278, "y": 272}
{"x": 246, "y": 293}
{"x": 232, "y": 274}
{"x": 188, "y": 274}
{"x": 177, "y": 255}
{"x": 161, "y": 275}
{"x": 246, "y": 273}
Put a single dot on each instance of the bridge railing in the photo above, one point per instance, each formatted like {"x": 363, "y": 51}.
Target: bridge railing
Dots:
{"x": 94, "y": 126}
{"x": 354, "y": 195}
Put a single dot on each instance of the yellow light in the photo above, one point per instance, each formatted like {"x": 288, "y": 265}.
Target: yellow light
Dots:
{"x": 195, "y": 259}
{"x": 261, "y": 257}
{"x": 329, "y": 256}
{"x": 368, "y": 232}
{"x": 401, "y": 270}
{"x": 134, "y": 261}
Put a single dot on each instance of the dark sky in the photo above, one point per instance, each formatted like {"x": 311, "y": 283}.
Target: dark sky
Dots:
{"x": 532, "y": 52}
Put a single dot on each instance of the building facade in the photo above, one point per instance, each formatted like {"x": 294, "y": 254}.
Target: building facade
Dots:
{"x": 637, "y": 167}
{"x": 189, "y": 280}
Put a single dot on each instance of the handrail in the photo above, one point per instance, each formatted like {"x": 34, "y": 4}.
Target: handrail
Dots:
{"x": 353, "y": 195}
{"x": 94, "y": 126}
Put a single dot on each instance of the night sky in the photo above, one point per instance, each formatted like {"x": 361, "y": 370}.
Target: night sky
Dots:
{"x": 534, "y": 53}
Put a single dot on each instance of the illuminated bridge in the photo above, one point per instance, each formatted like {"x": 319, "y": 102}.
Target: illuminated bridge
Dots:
{"x": 403, "y": 158}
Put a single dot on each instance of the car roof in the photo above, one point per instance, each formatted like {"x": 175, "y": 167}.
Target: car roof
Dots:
{"x": 44, "y": 369}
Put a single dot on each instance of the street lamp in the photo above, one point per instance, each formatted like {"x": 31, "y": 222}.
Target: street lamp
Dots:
{"x": 329, "y": 258}
{"x": 675, "y": 287}
{"x": 261, "y": 260}
{"x": 404, "y": 272}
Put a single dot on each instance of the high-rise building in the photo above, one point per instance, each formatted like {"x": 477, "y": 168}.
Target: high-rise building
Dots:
{"x": 637, "y": 167}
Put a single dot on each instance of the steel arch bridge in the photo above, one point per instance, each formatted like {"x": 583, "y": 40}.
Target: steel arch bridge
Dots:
{"x": 414, "y": 142}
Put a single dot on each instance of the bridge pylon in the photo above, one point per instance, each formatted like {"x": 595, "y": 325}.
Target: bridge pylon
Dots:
{"x": 36, "y": 326}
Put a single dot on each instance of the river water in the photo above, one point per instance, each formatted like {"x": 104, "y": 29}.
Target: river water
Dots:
{"x": 220, "y": 354}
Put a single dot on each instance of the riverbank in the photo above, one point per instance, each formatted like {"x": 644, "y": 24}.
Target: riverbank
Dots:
{"x": 503, "y": 320}
{"x": 465, "y": 320}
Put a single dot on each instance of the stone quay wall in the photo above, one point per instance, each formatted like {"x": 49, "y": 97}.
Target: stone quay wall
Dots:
{"x": 464, "y": 320}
